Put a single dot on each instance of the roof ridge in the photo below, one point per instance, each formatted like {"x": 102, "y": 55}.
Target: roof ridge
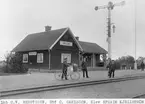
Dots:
{"x": 91, "y": 43}
{"x": 88, "y": 42}
{"x": 36, "y": 33}
{"x": 50, "y": 31}
{"x": 87, "y": 47}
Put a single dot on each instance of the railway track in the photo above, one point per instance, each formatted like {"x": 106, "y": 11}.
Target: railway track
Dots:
{"x": 139, "y": 96}
{"x": 56, "y": 87}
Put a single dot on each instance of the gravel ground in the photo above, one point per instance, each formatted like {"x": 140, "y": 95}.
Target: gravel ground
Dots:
{"x": 124, "y": 89}
{"x": 42, "y": 79}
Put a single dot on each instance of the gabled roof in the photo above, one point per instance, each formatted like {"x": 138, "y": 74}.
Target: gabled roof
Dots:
{"x": 39, "y": 41}
{"x": 42, "y": 40}
{"x": 92, "y": 48}
{"x": 46, "y": 40}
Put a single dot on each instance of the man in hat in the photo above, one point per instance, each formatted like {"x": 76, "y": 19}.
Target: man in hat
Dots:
{"x": 111, "y": 66}
{"x": 142, "y": 65}
{"x": 64, "y": 69}
{"x": 84, "y": 68}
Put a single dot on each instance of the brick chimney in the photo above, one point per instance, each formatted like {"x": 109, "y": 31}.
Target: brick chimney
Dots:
{"x": 77, "y": 38}
{"x": 47, "y": 28}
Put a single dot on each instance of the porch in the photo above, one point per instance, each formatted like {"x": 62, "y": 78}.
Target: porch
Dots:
{"x": 93, "y": 59}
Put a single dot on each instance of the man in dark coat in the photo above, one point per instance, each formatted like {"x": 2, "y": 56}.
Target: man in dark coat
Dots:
{"x": 64, "y": 69}
{"x": 84, "y": 68}
{"x": 142, "y": 65}
{"x": 111, "y": 66}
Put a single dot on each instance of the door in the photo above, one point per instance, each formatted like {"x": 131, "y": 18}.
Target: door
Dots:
{"x": 32, "y": 57}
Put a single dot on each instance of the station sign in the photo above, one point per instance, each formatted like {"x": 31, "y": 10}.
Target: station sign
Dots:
{"x": 32, "y": 53}
{"x": 65, "y": 43}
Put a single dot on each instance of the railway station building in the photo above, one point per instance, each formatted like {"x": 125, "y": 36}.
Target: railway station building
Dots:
{"x": 46, "y": 50}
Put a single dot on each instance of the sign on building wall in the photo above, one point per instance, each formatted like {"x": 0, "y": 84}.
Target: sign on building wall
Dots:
{"x": 32, "y": 53}
{"x": 65, "y": 43}
{"x": 66, "y": 55}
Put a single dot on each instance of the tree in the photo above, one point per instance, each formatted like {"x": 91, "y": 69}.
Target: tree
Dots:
{"x": 130, "y": 61}
{"x": 117, "y": 63}
{"x": 125, "y": 61}
{"x": 14, "y": 64}
{"x": 139, "y": 60}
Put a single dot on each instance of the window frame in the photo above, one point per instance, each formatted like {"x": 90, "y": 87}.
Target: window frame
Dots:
{"x": 40, "y": 57}
{"x": 25, "y": 55}
{"x": 66, "y": 55}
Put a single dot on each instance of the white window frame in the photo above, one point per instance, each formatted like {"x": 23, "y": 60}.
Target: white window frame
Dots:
{"x": 25, "y": 56}
{"x": 39, "y": 57}
{"x": 101, "y": 57}
{"x": 66, "y": 55}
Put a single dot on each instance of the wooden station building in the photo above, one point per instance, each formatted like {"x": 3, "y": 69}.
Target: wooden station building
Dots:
{"x": 47, "y": 49}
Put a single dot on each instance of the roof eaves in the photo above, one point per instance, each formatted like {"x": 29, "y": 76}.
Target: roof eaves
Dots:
{"x": 103, "y": 51}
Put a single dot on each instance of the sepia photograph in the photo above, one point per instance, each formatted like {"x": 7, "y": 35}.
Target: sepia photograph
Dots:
{"x": 72, "y": 49}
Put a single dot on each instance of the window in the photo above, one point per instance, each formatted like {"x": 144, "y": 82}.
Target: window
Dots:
{"x": 40, "y": 58}
{"x": 66, "y": 55}
{"x": 101, "y": 57}
{"x": 25, "y": 58}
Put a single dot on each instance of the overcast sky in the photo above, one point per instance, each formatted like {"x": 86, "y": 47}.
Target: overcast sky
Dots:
{"x": 18, "y": 18}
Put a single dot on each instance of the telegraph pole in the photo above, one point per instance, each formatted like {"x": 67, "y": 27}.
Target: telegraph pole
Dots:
{"x": 110, "y": 7}
{"x": 135, "y": 64}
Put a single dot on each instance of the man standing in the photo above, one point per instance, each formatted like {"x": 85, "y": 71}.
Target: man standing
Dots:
{"x": 112, "y": 67}
{"x": 64, "y": 69}
{"x": 84, "y": 68}
{"x": 142, "y": 66}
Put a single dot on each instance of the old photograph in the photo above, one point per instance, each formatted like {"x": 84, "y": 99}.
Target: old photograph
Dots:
{"x": 72, "y": 49}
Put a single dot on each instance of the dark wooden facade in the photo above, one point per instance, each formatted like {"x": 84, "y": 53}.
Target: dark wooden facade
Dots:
{"x": 54, "y": 45}
{"x": 58, "y": 49}
{"x": 54, "y": 55}
{"x": 32, "y": 59}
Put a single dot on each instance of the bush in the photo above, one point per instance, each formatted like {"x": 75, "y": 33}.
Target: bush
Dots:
{"x": 14, "y": 64}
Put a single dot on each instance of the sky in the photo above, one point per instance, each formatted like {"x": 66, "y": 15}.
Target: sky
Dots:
{"x": 18, "y": 18}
